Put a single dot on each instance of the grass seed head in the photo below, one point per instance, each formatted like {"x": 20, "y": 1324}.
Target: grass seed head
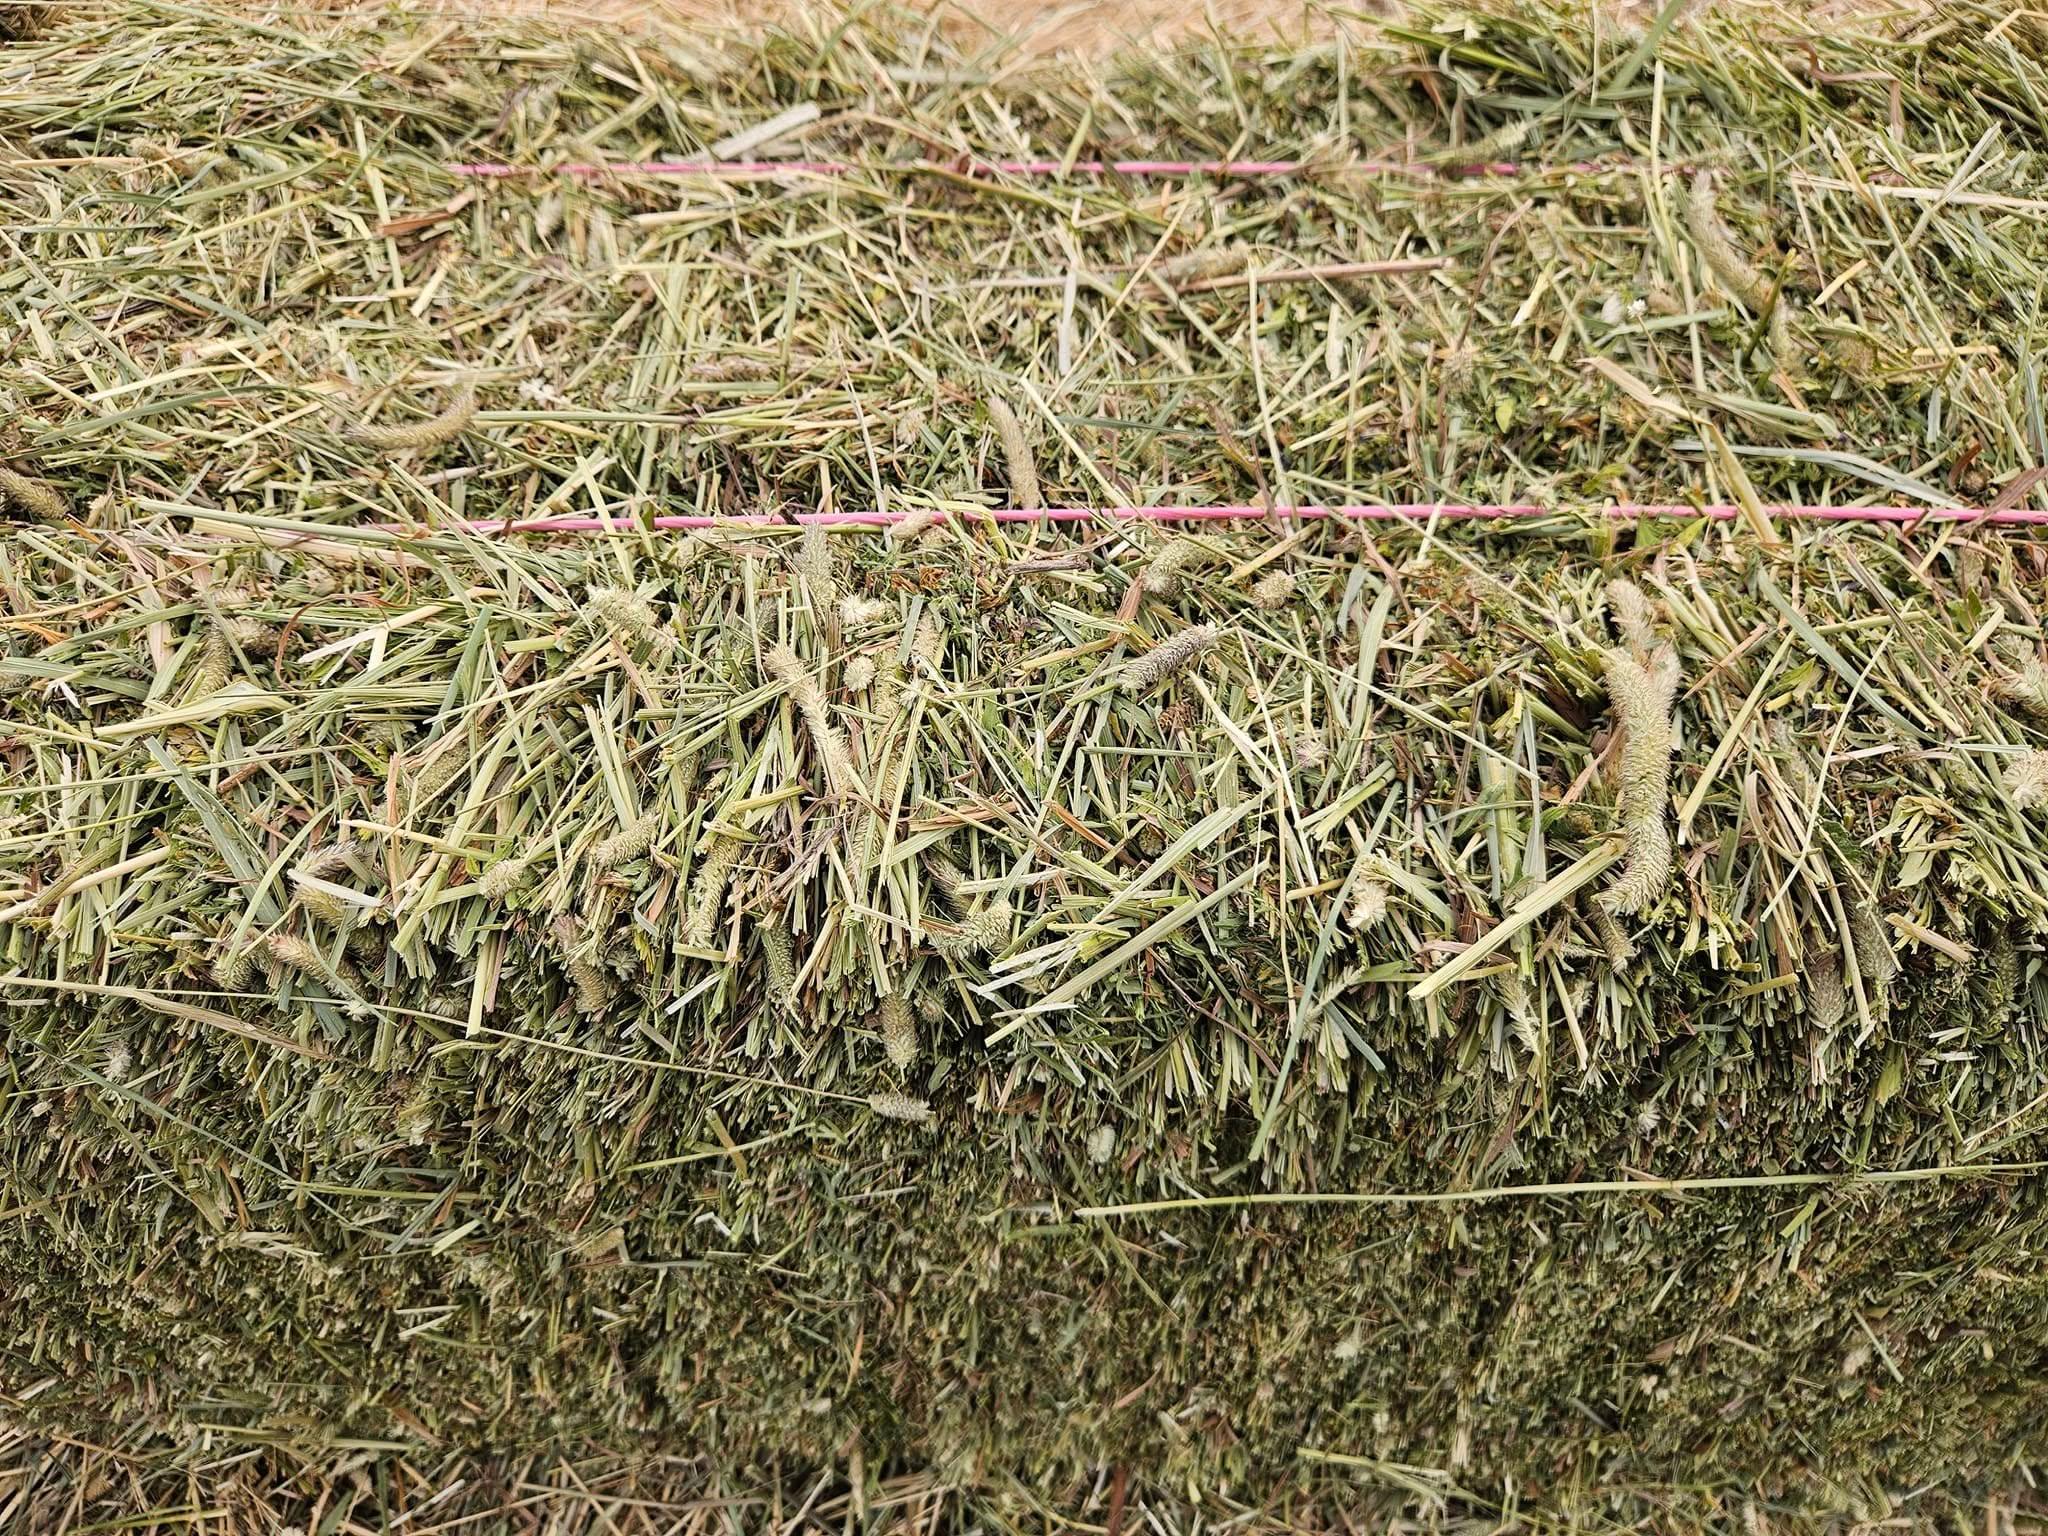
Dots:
{"x": 2026, "y": 779}
{"x": 898, "y": 1031}
{"x": 38, "y": 498}
{"x": 1023, "y": 468}
{"x": 900, "y": 1106}
{"x": 1273, "y": 591}
{"x": 1169, "y": 658}
{"x": 435, "y": 430}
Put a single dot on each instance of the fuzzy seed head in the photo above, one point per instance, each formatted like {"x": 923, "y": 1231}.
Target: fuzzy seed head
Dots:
{"x": 35, "y": 497}
{"x": 2026, "y": 779}
{"x": 888, "y": 687}
{"x": 1633, "y": 617}
{"x": 1368, "y": 905}
{"x": 1273, "y": 590}
{"x": 435, "y": 767}
{"x": 430, "y": 433}
{"x": 859, "y": 673}
{"x": 294, "y": 953}
{"x": 912, "y": 525}
{"x": 1875, "y": 961}
{"x": 622, "y": 611}
{"x": 502, "y": 878}
{"x": 593, "y": 986}
{"x": 1826, "y": 999}
{"x": 1716, "y": 245}
{"x": 814, "y": 568}
{"x": 898, "y": 1031}
{"x": 780, "y": 953}
{"x": 215, "y": 666}
{"x": 928, "y": 645}
{"x": 234, "y": 969}
{"x": 785, "y": 666}
{"x": 1163, "y": 576}
{"x": 1168, "y": 658}
{"x": 2025, "y": 688}
{"x": 251, "y": 634}
{"x": 1016, "y": 454}
{"x": 1615, "y": 943}
{"x": 628, "y": 843}
{"x": 856, "y": 612}
{"x": 707, "y": 892}
{"x": 901, "y": 1106}
{"x": 1642, "y": 691}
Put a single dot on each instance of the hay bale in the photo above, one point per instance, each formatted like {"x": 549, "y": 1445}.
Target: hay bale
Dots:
{"x": 1505, "y": 1018}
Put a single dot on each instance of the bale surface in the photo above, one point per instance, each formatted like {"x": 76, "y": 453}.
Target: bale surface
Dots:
{"x": 995, "y": 1025}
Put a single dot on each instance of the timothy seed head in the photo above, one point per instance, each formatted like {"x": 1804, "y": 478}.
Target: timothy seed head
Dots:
{"x": 35, "y": 497}
{"x": 628, "y": 843}
{"x": 593, "y": 986}
{"x": 898, "y": 1031}
{"x": 707, "y": 892}
{"x": 1716, "y": 245}
{"x": 856, "y": 612}
{"x": 326, "y": 907}
{"x": 1734, "y": 271}
{"x": 1867, "y": 933}
{"x": 1619, "y": 948}
{"x": 780, "y": 952}
{"x": 912, "y": 524}
{"x": 1642, "y": 692}
{"x": 901, "y": 1106}
{"x": 787, "y": 668}
{"x": 430, "y": 433}
{"x": 623, "y": 611}
{"x": 982, "y": 931}
{"x": 814, "y": 568}
{"x": 251, "y": 634}
{"x": 1016, "y": 454}
{"x": 502, "y": 878}
{"x": 1826, "y": 999}
{"x": 1163, "y": 576}
{"x": 784, "y": 665}
{"x": 234, "y": 969}
{"x": 216, "y": 665}
{"x": 2025, "y": 688}
{"x": 1168, "y": 658}
{"x": 1273, "y": 590}
{"x": 436, "y": 766}
{"x": 294, "y": 953}
{"x": 928, "y": 645}
{"x": 1633, "y": 616}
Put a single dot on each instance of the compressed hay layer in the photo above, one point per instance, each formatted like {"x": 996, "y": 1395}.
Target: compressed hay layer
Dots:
{"x": 455, "y": 990}
{"x": 506, "y": 1158}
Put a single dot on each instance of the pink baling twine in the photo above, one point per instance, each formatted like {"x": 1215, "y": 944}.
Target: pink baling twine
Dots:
{"x": 1406, "y": 513}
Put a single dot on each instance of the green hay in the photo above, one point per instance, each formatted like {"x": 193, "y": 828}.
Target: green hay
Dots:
{"x": 458, "y": 992}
